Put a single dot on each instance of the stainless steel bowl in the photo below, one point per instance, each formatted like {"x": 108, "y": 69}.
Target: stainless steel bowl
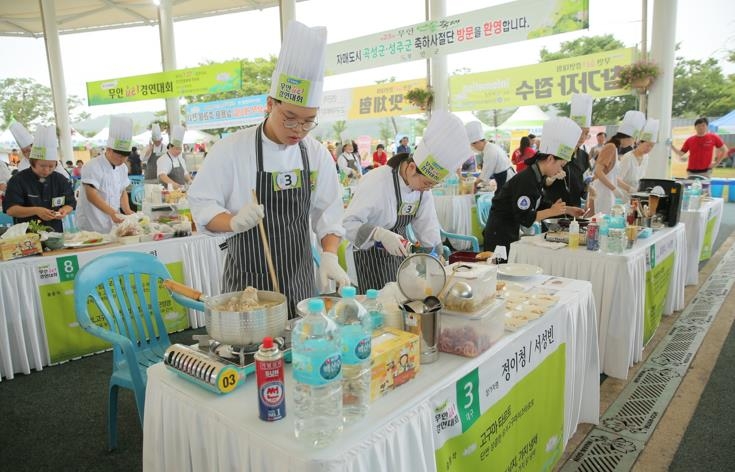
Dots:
{"x": 243, "y": 328}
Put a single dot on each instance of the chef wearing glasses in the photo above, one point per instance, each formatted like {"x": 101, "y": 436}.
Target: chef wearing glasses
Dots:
{"x": 292, "y": 174}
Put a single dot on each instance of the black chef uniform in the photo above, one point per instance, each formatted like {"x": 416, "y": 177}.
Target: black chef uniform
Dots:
{"x": 570, "y": 189}
{"x": 26, "y": 189}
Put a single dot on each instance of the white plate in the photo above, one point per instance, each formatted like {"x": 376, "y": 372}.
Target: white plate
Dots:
{"x": 83, "y": 244}
{"x": 519, "y": 270}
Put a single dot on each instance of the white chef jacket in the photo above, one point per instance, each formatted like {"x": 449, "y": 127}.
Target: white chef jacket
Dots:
{"x": 166, "y": 163}
{"x": 225, "y": 181}
{"x": 4, "y": 173}
{"x": 494, "y": 161}
{"x": 630, "y": 171}
{"x": 26, "y": 163}
{"x": 374, "y": 203}
{"x": 343, "y": 163}
{"x": 110, "y": 182}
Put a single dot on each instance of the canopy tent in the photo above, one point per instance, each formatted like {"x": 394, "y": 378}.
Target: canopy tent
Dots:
{"x": 529, "y": 117}
{"x": 7, "y": 141}
{"x": 78, "y": 139}
{"x": 724, "y": 125}
{"x": 100, "y": 139}
{"x": 194, "y": 136}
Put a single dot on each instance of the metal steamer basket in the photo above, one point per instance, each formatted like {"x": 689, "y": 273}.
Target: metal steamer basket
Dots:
{"x": 244, "y": 328}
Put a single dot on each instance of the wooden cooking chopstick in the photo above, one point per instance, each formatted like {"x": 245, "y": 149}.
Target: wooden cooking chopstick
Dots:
{"x": 267, "y": 249}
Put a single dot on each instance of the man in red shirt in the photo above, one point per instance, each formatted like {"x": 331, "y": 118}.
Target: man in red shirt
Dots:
{"x": 700, "y": 147}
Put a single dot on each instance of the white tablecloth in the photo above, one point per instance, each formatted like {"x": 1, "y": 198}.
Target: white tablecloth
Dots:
{"x": 695, "y": 222}
{"x": 618, "y": 282}
{"x": 23, "y": 343}
{"x": 189, "y": 428}
{"x": 455, "y": 216}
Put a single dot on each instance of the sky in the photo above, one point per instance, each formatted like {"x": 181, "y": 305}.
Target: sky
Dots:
{"x": 705, "y": 28}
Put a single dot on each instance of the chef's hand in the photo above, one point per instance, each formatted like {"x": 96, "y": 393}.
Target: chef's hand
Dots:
{"x": 329, "y": 269}
{"x": 45, "y": 214}
{"x": 395, "y": 244}
{"x": 247, "y": 218}
{"x": 559, "y": 207}
{"x": 575, "y": 211}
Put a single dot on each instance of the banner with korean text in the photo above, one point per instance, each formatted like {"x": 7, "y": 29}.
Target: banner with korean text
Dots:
{"x": 66, "y": 339}
{"x": 659, "y": 272}
{"x": 538, "y": 84}
{"x": 212, "y": 78}
{"x": 242, "y": 111}
{"x": 508, "y": 414}
{"x": 492, "y": 26}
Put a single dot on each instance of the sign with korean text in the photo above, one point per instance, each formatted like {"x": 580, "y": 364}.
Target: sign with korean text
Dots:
{"x": 713, "y": 223}
{"x": 659, "y": 272}
{"x": 242, "y": 111}
{"x": 212, "y": 78}
{"x": 499, "y": 24}
{"x": 537, "y": 84}
{"x": 382, "y": 100}
{"x": 66, "y": 339}
{"x": 508, "y": 414}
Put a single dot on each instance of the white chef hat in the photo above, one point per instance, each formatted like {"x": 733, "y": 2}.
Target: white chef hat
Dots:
{"x": 650, "y": 131}
{"x": 44, "y": 144}
{"x": 559, "y": 137}
{"x": 120, "y": 137}
{"x": 633, "y": 123}
{"x": 444, "y": 147}
{"x": 176, "y": 137}
{"x": 299, "y": 74}
{"x": 474, "y": 131}
{"x": 155, "y": 132}
{"x": 581, "y": 110}
{"x": 21, "y": 135}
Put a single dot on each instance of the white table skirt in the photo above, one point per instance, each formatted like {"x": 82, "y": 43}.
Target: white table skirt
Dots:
{"x": 455, "y": 216}
{"x": 189, "y": 428}
{"x": 695, "y": 222}
{"x": 23, "y": 342}
{"x": 618, "y": 282}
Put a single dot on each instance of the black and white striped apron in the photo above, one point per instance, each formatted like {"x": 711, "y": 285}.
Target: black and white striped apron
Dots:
{"x": 375, "y": 267}
{"x": 287, "y": 226}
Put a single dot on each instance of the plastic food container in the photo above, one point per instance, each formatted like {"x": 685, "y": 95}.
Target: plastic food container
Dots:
{"x": 470, "y": 335}
{"x": 481, "y": 277}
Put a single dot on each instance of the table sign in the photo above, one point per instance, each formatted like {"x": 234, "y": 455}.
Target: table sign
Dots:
{"x": 659, "y": 270}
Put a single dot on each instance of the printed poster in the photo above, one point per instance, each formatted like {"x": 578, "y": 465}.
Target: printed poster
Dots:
{"x": 508, "y": 414}
{"x": 234, "y": 112}
{"x": 659, "y": 272}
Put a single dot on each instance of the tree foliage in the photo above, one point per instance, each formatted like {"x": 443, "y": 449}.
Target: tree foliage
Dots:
{"x": 701, "y": 89}
{"x": 609, "y": 110}
{"x": 31, "y": 103}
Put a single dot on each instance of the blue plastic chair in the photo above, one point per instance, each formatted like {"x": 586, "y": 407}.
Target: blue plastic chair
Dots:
{"x": 132, "y": 323}
{"x": 484, "y": 203}
{"x": 137, "y": 193}
{"x": 136, "y": 179}
{"x": 5, "y": 219}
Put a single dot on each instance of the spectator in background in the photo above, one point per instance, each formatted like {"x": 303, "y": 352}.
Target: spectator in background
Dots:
{"x": 380, "y": 158}
{"x": 403, "y": 146}
{"x": 535, "y": 141}
{"x": 700, "y": 147}
{"x": 349, "y": 163}
{"x": 77, "y": 171}
{"x": 69, "y": 166}
{"x": 601, "y": 138}
{"x": 523, "y": 152}
{"x": 134, "y": 163}
{"x": 14, "y": 157}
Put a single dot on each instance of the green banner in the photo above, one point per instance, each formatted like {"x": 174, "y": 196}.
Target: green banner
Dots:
{"x": 523, "y": 430}
{"x": 537, "y": 84}
{"x": 706, "y": 251}
{"x": 658, "y": 279}
{"x": 66, "y": 339}
{"x": 209, "y": 79}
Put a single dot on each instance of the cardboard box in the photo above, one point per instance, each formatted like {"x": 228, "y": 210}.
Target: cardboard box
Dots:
{"x": 395, "y": 359}
{"x": 21, "y": 246}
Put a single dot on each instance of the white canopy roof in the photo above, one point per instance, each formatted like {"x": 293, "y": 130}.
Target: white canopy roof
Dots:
{"x": 526, "y": 117}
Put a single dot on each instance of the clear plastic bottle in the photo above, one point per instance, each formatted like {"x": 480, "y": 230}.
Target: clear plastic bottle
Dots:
{"x": 573, "y": 234}
{"x": 617, "y": 214}
{"x": 356, "y": 333}
{"x": 317, "y": 370}
{"x": 593, "y": 235}
{"x": 603, "y": 232}
{"x": 374, "y": 309}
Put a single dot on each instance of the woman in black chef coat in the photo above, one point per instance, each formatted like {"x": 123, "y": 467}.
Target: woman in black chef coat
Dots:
{"x": 520, "y": 201}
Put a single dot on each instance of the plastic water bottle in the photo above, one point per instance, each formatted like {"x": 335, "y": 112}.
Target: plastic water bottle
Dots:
{"x": 617, "y": 213}
{"x": 317, "y": 370}
{"x": 685, "y": 199}
{"x": 593, "y": 242}
{"x": 355, "y": 328}
{"x": 603, "y": 234}
{"x": 374, "y": 309}
{"x": 574, "y": 234}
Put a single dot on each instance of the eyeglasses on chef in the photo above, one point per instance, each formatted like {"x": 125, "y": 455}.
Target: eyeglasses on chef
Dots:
{"x": 292, "y": 123}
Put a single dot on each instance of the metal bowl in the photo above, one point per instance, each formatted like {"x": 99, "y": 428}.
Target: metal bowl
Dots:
{"x": 243, "y": 328}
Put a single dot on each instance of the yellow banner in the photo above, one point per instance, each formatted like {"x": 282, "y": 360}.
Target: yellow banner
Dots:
{"x": 547, "y": 82}
{"x": 382, "y": 100}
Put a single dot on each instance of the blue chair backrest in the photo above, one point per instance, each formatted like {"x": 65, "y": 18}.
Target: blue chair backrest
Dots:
{"x": 137, "y": 193}
{"x": 5, "y": 219}
{"x": 484, "y": 203}
{"x": 116, "y": 284}
{"x": 136, "y": 179}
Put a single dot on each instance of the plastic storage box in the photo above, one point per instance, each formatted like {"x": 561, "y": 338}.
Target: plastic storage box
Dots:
{"x": 481, "y": 277}
{"x": 470, "y": 335}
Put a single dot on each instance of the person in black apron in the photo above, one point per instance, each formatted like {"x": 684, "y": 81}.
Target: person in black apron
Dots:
{"x": 520, "y": 201}
{"x": 150, "y": 157}
{"x": 171, "y": 167}
{"x": 376, "y": 223}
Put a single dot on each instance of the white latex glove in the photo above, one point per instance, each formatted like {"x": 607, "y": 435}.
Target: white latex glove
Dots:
{"x": 329, "y": 269}
{"x": 247, "y": 218}
{"x": 394, "y": 243}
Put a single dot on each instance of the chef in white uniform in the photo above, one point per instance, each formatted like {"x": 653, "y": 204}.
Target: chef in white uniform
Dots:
{"x": 152, "y": 152}
{"x": 495, "y": 162}
{"x": 634, "y": 163}
{"x": 104, "y": 180}
{"x": 25, "y": 143}
{"x": 171, "y": 166}
{"x": 292, "y": 174}
{"x": 390, "y": 197}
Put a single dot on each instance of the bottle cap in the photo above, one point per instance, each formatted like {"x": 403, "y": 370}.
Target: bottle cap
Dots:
{"x": 315, "y": 304}
{"x": 267, "y": 342}
{"x": 348, "y": 291}
{"x": 372, "y": 294}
